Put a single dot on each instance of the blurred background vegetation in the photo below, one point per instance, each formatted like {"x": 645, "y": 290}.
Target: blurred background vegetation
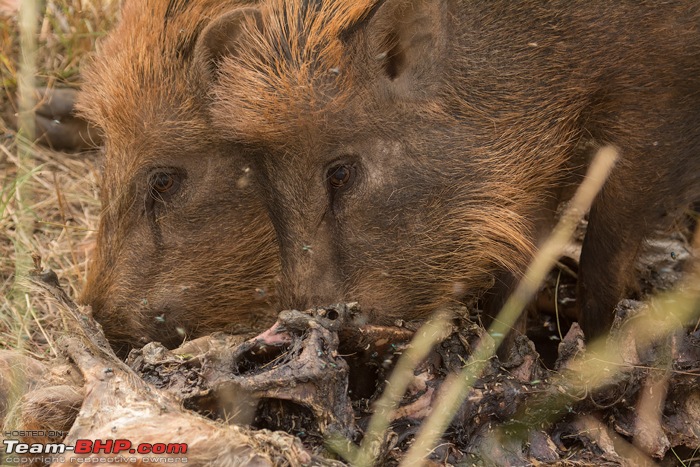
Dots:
{"x": 48, "y": 200}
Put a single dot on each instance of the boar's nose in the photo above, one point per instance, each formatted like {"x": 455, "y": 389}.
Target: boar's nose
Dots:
{"x": 311, "y": 279}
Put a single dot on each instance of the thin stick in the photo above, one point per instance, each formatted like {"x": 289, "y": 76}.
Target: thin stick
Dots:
{"x": 28, "y": 13}
{"x": 457, "y": 387}
{"x": 423, "y": 341}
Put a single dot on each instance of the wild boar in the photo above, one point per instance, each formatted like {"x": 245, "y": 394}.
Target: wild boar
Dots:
{"x": 411, "y": 153}
{"x": 184, "y": 245}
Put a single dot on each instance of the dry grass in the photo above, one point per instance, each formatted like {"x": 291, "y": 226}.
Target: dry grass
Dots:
{"x": 48, "y": 200}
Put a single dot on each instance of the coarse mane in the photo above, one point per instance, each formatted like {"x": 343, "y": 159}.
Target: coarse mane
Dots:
{"x": 142, "y": 74}
{"x": 291, "y": 69}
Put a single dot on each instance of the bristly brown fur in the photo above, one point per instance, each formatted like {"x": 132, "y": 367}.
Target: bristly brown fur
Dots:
{"x": 465, "y": 122}
{"x": 205, "y": 259}
{"x": 139, "y": 89}
{"x": 294, "y": 69}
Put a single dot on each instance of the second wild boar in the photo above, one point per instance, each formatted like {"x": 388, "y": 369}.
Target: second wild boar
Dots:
{"x": 412, "y": 153}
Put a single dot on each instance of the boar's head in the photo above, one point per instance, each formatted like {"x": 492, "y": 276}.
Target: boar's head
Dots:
{"x": 358, "y": 143}
{"x": 412, "y": 152}
{"x": 184, "y": 246}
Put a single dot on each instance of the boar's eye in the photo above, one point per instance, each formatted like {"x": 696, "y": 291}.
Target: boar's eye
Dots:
{"x": 164, "y": 184}
{"x": 341, "y": 176}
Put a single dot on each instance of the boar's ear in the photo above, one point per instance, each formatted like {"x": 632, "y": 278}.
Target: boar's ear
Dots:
{"x": 408, "y": 38}
{"x": 219, "y": 38}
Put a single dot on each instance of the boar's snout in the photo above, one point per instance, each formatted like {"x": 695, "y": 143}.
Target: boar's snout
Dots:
{"x": 310, "y": 279}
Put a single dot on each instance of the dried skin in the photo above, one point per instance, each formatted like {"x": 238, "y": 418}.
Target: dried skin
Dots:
{"x": 120, "y": 404}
